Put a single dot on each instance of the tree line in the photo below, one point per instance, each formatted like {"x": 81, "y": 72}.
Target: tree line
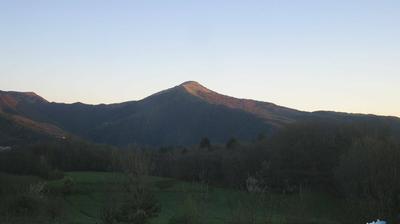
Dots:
{"x": 358, "y": 162}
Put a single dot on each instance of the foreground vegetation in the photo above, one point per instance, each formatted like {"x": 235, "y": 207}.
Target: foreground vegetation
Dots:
{"x": 185, "y": 202}
{"x": 307, "y": 173}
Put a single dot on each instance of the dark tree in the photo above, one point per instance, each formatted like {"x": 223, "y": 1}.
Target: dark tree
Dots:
{"x": 205, "y": 143}
{"x": 232, "y": 143}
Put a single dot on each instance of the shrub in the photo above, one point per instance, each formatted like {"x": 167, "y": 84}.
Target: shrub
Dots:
{"x": 68, "y": 186}
{"x": 55, "y": 175}
{"x": 190, "y": 214}
{"x": 369, "y": 176}
{"x": 165, "y": 184}
{"x": 139, "y": 206}
{"x": 109, "y": 215}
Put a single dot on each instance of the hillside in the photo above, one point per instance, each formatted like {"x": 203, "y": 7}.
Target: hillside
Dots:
{"x": 16, "y": 123}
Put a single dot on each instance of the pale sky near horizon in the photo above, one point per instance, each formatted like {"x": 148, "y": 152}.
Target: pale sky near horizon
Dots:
{"x": 310, "y": 55}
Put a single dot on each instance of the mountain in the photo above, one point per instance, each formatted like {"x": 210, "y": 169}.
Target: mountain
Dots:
{"x": 177, "y": 116}
{"x": 16, "y": 108}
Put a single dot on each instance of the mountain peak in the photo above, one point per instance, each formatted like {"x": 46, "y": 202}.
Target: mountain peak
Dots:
{"x": 190, "y": 83}
{"x": 195, "y": 88}
{"x": 10, "y": 99}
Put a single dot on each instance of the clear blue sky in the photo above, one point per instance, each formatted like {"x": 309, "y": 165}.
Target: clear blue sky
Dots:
{"x": 311, "y": 55}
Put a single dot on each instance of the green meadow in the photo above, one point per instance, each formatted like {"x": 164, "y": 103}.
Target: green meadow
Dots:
{"x": 93, "y": 191}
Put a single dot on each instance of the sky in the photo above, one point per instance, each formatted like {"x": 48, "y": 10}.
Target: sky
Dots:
{"x": 336, "y": 55}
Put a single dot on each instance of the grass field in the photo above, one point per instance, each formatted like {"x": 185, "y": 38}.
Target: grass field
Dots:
{"x": 93, "y": 190}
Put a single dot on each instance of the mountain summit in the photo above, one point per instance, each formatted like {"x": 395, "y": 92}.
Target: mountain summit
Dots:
{"x": 195, "y": 88}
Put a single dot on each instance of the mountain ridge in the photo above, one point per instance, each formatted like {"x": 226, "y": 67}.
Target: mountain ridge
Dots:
{"x": 179, "y": 115}
{"x": 258, "y": 108}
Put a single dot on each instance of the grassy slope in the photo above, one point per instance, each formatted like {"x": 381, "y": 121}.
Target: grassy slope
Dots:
{"x": 84, "y": 205}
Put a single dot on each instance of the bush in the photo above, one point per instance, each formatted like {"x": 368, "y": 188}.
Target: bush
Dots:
{"x": 32, "y": 204}
{"x": 190, "y": 214}
{"x": 23, "y": 205}
{"x": 68, "y": 186}
{"x": 369, "y": 176}
{"x": 109, "y": 215}
{"x": 55, "y": 175}
{"x": 165, "y": 184}
{"x": 139, "y": 206}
